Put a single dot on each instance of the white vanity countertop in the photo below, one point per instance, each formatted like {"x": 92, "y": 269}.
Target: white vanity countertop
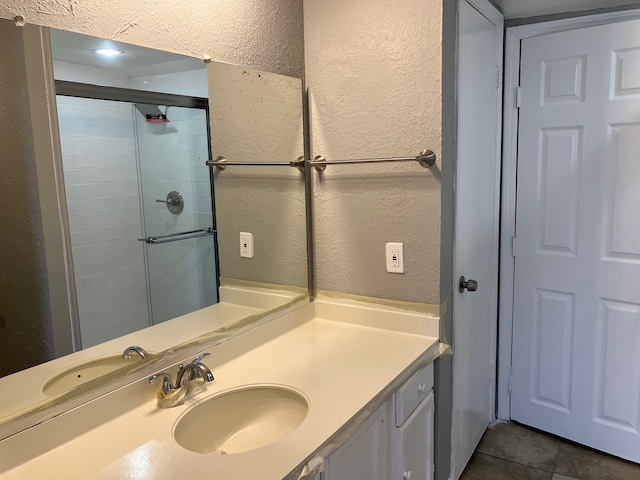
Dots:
{"x": 338, "y": 366}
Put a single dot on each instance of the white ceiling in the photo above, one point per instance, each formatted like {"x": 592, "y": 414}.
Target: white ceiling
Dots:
{"x": 532, "y": 8}
{"x": 135, "y": 62}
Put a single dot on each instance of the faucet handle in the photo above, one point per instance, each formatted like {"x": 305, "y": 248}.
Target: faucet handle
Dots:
{"x": 193, "y": 370}
{"x": 197, "y": 360}
{"x": 202, "y": 371}
{"x": 167, "y": 385}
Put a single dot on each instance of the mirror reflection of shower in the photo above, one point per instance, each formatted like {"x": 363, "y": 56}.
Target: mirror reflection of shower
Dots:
{"x": 125, "y": 149}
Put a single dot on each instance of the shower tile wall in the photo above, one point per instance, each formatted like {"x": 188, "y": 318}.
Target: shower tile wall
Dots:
{"x": 99, "y": 158}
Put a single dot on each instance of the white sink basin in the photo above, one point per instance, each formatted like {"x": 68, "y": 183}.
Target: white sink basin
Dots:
{"x": 80, "y": 373}
{"x": 241, "y": 420}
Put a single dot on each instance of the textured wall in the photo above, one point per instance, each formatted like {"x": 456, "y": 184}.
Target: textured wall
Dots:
{"x": 257, "y": 33}
{"x": 374, "y": 78}
{"x": 25, "y": 318}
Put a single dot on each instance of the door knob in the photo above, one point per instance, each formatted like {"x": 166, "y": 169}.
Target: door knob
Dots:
{"x": 470, "y": 285}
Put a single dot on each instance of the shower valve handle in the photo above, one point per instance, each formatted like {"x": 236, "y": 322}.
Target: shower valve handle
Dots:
{"x": 174, "y": 202}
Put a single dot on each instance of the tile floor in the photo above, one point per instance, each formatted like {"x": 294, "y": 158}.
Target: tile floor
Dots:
{"x": 513, "y": 452}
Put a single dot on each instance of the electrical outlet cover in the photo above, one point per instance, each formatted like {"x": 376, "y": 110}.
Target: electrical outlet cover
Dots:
{"x": 246, "y": 245}
{"x": 394, "y": 257}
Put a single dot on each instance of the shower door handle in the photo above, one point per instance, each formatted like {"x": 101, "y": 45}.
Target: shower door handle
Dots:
{"x": 175, "y": 237}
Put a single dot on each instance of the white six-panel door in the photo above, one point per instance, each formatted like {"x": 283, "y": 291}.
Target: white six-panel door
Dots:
{"x": 576, "y": 330}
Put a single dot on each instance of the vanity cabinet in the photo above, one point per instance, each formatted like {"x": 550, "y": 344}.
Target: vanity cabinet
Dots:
{"x": 366, "y": 455}
{"x": 396, "y": 442}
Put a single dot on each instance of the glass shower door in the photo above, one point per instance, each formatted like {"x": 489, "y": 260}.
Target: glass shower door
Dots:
{"x": 177, "y": 209}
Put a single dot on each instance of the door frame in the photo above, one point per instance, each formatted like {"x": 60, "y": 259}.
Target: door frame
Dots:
{"x": 513, "y": 38}
{"x": 493, "y": 16}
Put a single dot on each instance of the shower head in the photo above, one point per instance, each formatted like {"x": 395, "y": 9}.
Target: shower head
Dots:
{"x": 151, "y": 113}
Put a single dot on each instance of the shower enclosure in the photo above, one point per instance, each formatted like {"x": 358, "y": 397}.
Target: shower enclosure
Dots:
{"x": 140, "y": 210}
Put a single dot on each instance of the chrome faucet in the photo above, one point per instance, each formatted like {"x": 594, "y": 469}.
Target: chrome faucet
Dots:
{"x": 171, "y": 394}
{"x": 194, "y": 370}
{"x": 126, "y": 355}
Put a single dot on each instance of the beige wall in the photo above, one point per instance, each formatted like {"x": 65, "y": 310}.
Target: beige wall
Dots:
{"x": 374, "y": 78}
{"x": 257, "y": 33}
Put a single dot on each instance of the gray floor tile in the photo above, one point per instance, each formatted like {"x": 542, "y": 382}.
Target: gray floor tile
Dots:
{"x": 520, "y": 445}
{"x": 486, "y": 467}
{"x": 585, "y": 464}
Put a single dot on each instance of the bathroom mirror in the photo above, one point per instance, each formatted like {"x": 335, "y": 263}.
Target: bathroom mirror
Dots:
{"x": 129, "y": 238}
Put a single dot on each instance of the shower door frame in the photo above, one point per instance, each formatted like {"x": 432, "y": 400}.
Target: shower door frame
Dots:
{"x": 128, "y": 95}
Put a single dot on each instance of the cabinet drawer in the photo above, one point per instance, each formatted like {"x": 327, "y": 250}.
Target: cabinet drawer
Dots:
{"x": 412, "y": 392}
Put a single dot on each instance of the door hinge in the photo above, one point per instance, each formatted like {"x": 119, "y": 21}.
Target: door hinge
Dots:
{"x": 514, "y": 241}
{"x": 510, "y": 381}
{"x": 518, "y": 96}
{"x": 498, "y": 77}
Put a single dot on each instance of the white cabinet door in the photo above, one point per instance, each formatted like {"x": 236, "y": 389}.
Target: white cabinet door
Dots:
{"x": 366, "y": 455}
{"x": 576, "y": 327}
{"x": 414, "y": 443}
